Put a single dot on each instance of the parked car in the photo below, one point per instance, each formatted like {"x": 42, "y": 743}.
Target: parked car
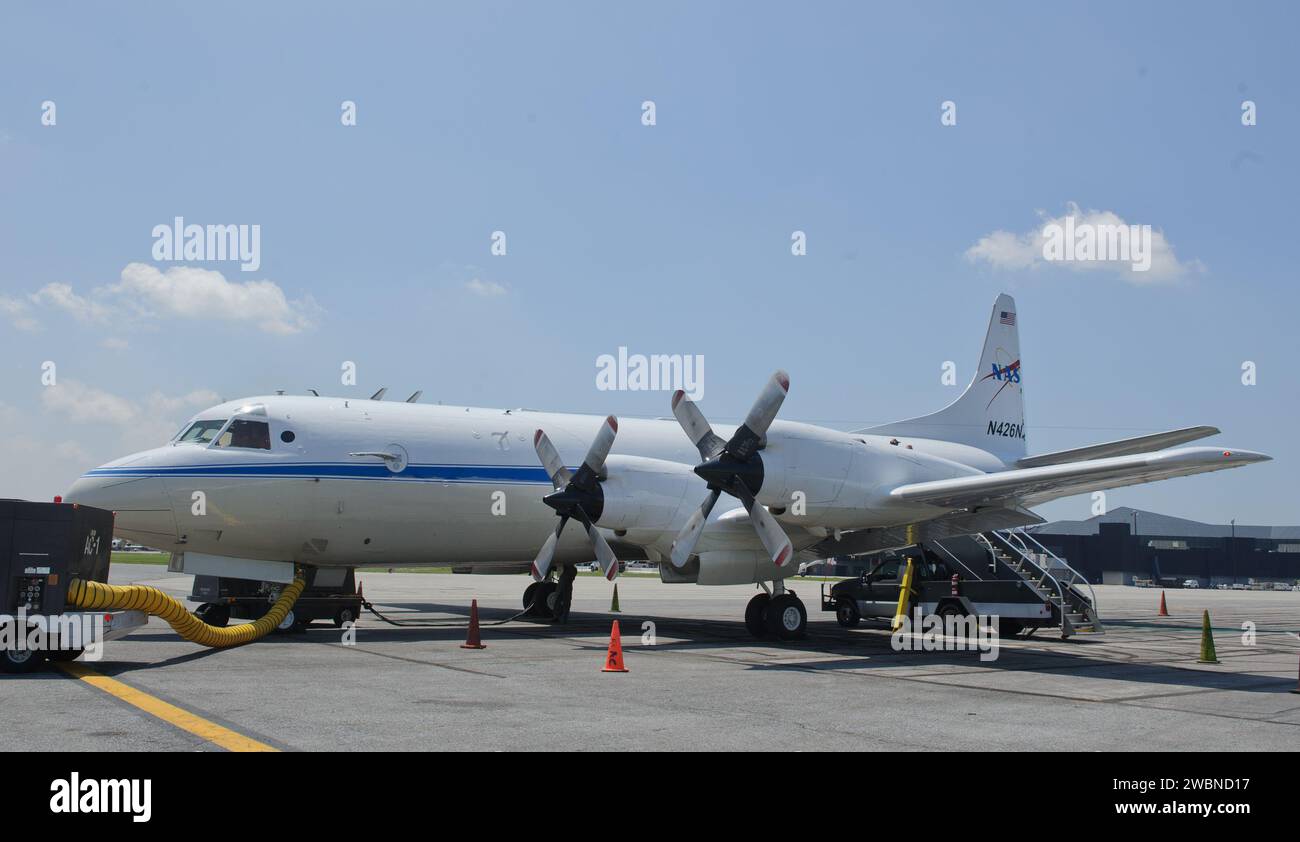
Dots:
{"x": 1192, "y": 583}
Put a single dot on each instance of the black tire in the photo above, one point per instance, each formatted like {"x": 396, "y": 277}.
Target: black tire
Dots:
{"x": 756, "y": 615}
{"x": 213, "y": 614}
{"x": 21, "y": 660}
{"x": 787, "y": 619}
{"x": 547, "y": 594}
{"x": 952, "y": 609}
{"x": 345, "y": 614}
{"x": 1009, "y": 628}
{"x": 63, "y": 655}
{"x": 846, "y": 612}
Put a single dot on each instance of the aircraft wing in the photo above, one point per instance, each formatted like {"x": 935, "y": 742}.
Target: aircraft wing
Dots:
{"x": 945, "y": 526}
{"x": 1031, "y": 486}
{"x": 1122, "y": 447}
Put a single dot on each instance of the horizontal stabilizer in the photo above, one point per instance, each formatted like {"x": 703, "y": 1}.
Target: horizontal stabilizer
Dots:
{"x": 1122, "y": 447}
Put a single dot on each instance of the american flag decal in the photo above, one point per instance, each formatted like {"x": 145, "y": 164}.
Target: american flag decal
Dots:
{"x": 1008, "y": 318}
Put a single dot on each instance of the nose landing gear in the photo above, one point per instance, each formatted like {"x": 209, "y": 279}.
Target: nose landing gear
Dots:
{"x": 550, "y": 599}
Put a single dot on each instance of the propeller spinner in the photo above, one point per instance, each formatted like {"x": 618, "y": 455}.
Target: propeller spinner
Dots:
{"x": 733, "y": 466}
{"x": 578, "y": 496}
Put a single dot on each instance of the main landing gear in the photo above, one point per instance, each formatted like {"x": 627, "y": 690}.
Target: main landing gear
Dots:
{"x": 776, "y": 614}
{"x": 550, "y": 599}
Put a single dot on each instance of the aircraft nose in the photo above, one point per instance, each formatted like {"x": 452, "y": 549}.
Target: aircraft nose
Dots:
{"x": 141, "y": 504}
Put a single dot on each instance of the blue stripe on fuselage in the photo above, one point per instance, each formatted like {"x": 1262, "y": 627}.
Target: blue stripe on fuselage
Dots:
{"x": 339, "y": 470}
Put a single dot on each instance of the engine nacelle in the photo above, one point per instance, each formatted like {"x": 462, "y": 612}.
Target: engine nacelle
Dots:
{"x": 814, "y": 467}
{"x": 648, "y": 494}
{"x": 740, "y": 567}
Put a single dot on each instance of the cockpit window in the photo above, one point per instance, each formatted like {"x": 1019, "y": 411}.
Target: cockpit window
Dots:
{"x": 201, "y": 432}
{"x": 243, "y": 433}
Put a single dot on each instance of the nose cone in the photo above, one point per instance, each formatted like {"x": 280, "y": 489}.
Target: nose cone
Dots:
{"x": 138, "y": 498}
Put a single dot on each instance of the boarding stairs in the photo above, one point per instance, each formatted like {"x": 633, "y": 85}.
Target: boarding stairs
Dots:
{"x": 1067, "y": 591}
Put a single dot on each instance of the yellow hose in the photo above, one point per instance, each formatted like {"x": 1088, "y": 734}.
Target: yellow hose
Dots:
{"x": 97, "y": 596}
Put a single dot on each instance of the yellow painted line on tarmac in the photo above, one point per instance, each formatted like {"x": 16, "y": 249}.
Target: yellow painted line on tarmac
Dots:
{"x": 167, "y": 712}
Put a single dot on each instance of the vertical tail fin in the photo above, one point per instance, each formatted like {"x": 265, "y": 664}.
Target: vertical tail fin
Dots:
{"x": 990, "y": 414}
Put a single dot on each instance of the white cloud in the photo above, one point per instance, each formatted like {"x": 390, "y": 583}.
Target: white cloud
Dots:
{"x": 87, "y": 404}
{"x": 1017, "y": 252}
{"x": 145, "y": 293}
{"x": 187, "y": 292}
{"x": 487, "y": 289}
{"x": 62, "y": 297}
{"x": 19, "y": 313}
{"x": 83, "y": 403}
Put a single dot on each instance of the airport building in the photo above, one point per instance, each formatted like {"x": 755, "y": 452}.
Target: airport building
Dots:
{"x": 1128, "y": 545}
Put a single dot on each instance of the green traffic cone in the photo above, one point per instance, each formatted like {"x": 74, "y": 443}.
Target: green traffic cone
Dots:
{"x": 1207, "y": 642}
{"x": 613, "y": 606}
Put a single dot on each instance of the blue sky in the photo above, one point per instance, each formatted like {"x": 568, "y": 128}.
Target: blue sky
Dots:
{"x": 672, "y": 238}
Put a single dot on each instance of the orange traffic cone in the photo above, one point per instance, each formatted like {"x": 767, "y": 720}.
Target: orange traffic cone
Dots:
{"x": 1164, "y": 612}
{"x": 614, "y": 660}
{"x": 471, "y": 640}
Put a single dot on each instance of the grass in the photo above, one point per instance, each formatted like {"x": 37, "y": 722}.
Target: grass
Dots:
{"x": 141, "y": 558}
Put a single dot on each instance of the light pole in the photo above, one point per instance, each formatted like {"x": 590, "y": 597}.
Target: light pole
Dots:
{"x": 1232, "y": 550}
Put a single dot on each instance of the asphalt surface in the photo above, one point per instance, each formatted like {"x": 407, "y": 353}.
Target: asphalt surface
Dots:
{"x": 702, "y": 683}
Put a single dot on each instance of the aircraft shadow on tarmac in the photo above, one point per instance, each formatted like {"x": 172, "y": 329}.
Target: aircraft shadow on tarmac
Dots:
{"x": 862, "y": 648}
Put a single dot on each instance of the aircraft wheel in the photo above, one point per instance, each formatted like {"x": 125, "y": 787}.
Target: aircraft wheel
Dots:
{"x": 846, "y": 612}
{"x": 756, "y": 615}
{"x": 787, "y": 619}
{"x": 539, "y": 599}
{"x": 1009, "y": 628}
{"x": 289, "y": 622}
{"x": 550, "y": 596}
{"x": 21, "y": 660}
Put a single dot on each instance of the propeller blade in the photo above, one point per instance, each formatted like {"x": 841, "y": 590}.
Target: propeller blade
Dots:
{"x": 765, "y": 408}
{"x": 604, "y": 552}
{"x": 774, "y": 539}
{"x": 686, "y": 540}
{"x": 551, "y": 460}
{"x": 600, "y": 446}
{"x": 542, "y": 564}
{"x": 696, "y": 426}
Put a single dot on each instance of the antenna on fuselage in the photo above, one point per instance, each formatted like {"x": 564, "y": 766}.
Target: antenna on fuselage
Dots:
{"x": 379, "y": 396}
{"x": 314, "y": 392}
{"x": 414, "y": 398}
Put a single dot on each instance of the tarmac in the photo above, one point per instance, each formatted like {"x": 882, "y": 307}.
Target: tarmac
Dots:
{"x": 696, "y": 680}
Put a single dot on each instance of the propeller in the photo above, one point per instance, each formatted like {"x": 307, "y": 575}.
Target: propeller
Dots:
{"x": 577, "y": 496}
{"x": 735, "y": 467}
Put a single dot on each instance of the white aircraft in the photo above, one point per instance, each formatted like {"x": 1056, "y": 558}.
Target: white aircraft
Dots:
{"x": 248, "y": 488}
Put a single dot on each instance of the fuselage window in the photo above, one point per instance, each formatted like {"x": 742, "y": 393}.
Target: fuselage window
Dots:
{"x": 201, "y": 432}
{"x": 254, "y": 434}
